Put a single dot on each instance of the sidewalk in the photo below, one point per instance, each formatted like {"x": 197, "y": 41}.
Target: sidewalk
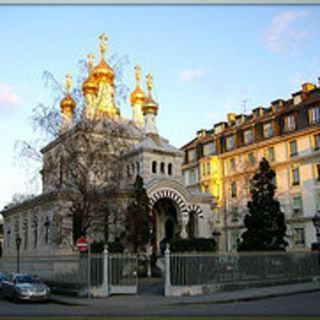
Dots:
{"x": 135, "y": 301}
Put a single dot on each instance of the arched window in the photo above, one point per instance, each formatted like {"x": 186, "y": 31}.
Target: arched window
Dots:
{"x": 154, "y": 167}
{"x": 170, "y": 169}
{"x": 162, "y": 167}
{"x": 138, "y": 167}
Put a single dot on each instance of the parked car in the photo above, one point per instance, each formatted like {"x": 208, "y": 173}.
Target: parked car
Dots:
{"x": 25, "y": 287}
{"x": 3, "y": 277}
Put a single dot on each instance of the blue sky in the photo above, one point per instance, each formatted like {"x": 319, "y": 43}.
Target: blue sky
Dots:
{"x": 206, "y": 60}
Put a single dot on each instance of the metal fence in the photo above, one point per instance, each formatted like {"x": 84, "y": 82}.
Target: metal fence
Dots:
{"x": 195, "y": 271}
{"x": 123, "y": 274}
{"x": 103, "y": 273}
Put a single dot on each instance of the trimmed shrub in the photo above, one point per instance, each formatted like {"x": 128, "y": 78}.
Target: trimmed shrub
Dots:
{"x": 196, "y": 244}
{"x": 113, "y": 247}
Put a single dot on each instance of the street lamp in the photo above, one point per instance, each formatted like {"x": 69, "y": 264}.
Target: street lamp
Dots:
{"x": 18, "y": 244}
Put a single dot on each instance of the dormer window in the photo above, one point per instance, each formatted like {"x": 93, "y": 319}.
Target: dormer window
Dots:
{"x": 268, "y": 130}
{"x": 297, "y": 99}
{"x": 314, "y": 115}
{"x": 192, "y": 155}
{"x": 209, "y": 148}
{"x": 289, "y": 123}
{"x": 219, "y": 127}
{"x": 248, "y": 136}
{"x": 230, "y": 143}
{"x": 239, "y": 119}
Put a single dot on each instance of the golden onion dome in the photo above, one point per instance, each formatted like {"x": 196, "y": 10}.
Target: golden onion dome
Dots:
{"x": 150, "y": 106}
{"x": 137, "y": 96}
{"x": 90, "y": 86}
{"x": 103, "y": 72}
{"x": 68, "y": 104}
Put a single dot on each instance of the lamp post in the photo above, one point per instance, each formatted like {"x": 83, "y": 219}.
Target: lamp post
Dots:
{"x": 18, "y": 244}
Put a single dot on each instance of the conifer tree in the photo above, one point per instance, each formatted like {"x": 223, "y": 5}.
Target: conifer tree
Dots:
{"x": 265, "y": 223}
{"x": 138, "y": 219}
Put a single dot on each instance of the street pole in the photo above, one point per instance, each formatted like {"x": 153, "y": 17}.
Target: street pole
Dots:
{"x": 89, "y": 270}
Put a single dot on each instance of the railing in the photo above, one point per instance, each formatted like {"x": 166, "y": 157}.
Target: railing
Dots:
{"x": 195, "y": 273}
{"x": 109, "y": 274}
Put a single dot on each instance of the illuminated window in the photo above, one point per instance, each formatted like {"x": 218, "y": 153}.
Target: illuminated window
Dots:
{"x": 289, "y": 123}
{"x": 271, "y": 154}
{"x": 314, "y": 115}
{"x": 299, "y": 236}
{"x": 295, "y": 174}
{"x": 209, "y": 148}
{"x": 293, "y": 148}
{"x": 230, "y": 143}
{"x": 251, "y": 158}
{"x": 316, "y": 141}
{"x": 297, "y": 204}
{"x": 234, "y": 213}
{"x": 268, "y": 130}
{"x": 191, "y": 155}
{"x": 233, "y": 190}
{"x": 248, "y": 136}
{"x": 208, "y": 169}
{"x": 232, "y": 164}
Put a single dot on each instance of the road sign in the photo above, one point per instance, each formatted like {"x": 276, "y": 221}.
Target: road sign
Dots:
{"x": 82, "y": 244}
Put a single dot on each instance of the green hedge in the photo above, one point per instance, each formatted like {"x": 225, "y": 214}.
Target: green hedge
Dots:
{"x": 113, "y": 247}
{"x": 196, "y": 244}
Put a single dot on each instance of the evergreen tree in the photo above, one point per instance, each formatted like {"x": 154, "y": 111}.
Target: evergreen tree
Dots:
{"x": 138, "y": 219}
{"x": 265, "y": 223}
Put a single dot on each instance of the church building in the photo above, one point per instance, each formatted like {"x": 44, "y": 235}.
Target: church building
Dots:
{"x": 91, "y": 167}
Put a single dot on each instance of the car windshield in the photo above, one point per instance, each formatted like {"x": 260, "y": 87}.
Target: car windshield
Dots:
{"x": 28, "y": 279}
{"x": 2, "y": 276}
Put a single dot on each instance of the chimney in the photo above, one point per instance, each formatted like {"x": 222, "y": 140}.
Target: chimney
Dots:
{"x": 307, "y": 87}
{"x": 231, "y": 118}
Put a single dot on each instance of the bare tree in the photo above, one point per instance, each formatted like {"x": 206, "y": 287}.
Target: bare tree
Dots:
{"x": 84, "y": 165}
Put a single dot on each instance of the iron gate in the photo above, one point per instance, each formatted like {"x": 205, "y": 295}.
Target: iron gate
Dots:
{"x": 123, "y": 274}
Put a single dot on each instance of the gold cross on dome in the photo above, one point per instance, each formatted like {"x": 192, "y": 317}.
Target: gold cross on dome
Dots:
{"x": 90, "y": 57}
{"x": 138, "y": 74}
{"x": 68, "y": 82}
{"x": 103, "y": 45}
{"x": 149, "y": 81}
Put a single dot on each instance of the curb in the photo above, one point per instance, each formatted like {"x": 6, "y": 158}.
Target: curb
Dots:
{"x": 247, "y": 299}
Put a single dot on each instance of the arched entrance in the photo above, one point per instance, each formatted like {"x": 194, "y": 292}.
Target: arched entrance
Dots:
{"x": 165, "y": 223}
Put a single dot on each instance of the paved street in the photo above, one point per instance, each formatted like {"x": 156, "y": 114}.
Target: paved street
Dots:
{"x": 292, "y": 305}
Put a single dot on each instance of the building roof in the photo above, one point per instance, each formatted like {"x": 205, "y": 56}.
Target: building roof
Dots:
{"x": 155, "y": 143}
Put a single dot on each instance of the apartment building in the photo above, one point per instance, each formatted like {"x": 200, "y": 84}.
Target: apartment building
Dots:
{"x": 222, "y": 161}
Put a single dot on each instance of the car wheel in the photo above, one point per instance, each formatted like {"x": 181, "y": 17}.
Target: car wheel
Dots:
{"x": 15, "y": 298}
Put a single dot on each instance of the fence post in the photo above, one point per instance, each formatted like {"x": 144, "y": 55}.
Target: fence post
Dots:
{"x": 105, "y": 272}
{"x": 167, "y": 282}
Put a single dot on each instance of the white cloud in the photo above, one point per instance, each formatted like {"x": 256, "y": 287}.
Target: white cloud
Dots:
{"x": 280, "y": 37}
{"x": 189, "y": 75}
{"x": 8, "y": 98}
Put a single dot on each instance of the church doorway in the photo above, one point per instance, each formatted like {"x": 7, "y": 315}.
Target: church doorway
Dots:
{"x": 165, "y": 224}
